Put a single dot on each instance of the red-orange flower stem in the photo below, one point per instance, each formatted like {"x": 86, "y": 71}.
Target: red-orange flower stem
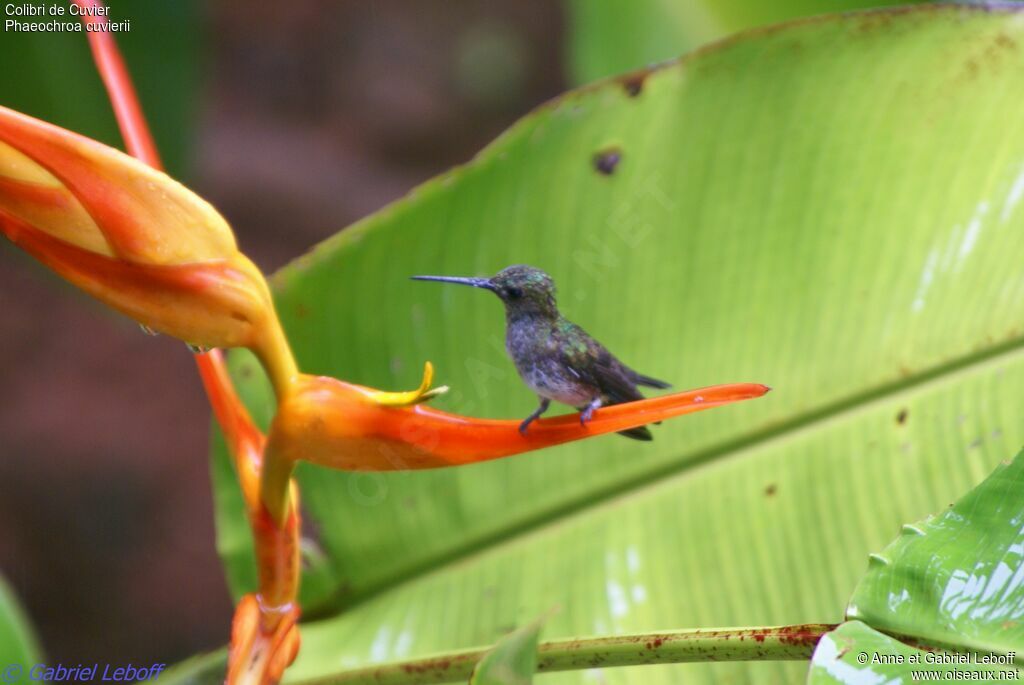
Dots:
{"x": 111, "y": 67}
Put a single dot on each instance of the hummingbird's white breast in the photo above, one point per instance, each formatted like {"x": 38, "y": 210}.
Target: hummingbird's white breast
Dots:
{"x": 542, "y": 367}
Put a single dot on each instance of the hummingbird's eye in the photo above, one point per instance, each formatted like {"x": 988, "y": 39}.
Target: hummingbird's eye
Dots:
{"x": 514, "y": 293}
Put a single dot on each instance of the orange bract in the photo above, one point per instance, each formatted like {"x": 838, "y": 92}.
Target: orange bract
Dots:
{"x": 340, "y": 425}
{"x": 127, "y": 234}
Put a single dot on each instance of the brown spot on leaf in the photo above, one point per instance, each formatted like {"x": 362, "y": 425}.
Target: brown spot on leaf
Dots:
{"x": 901, "y": 416}
{"x": 872, "y": 22}
{"x": 607, "y": 160}
{"x": 770, "y": 489}
{"x": 633, "y": 83}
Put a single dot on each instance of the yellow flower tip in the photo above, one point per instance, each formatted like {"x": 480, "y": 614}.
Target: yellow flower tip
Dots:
{"x": 428, "y": 376}
{"x": 412, "y": 397}
{"x": 436, "y": 392}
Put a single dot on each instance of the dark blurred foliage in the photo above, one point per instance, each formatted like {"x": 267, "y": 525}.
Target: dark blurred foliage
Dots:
{"x": 294, "y": 119}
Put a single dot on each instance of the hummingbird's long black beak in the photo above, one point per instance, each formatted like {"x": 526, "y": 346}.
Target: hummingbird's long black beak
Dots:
{"x": 484, "y": 283}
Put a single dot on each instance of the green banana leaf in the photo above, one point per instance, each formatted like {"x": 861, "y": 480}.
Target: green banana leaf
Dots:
{"x": 830, "y": 207}
{"x": 955, "y": 579}
{"x": 854, "y": 654}
{"x": 608, "y": 37}
{"x": 18, "y": 648}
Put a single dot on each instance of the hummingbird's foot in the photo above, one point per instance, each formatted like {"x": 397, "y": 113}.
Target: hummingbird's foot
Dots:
{"x": 544, "y": 404}
{"x": 588, "y": 411}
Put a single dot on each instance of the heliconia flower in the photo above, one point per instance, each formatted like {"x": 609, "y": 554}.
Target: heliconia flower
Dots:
{"x": 344, "y": 426}
{"x": 129, "y": 235}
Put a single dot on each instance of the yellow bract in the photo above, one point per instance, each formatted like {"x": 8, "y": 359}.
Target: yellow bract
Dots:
{"x": 410, "y": 397}
{"x": 32, "y": 194}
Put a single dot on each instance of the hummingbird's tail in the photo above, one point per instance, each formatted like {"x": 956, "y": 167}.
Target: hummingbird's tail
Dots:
{"x": 638, "y": 433}
{"x": 641, "y": 379}
{"x": 627, "y": 392}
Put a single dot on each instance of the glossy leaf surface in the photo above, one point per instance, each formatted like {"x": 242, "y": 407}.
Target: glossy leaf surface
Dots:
{"x": 955, "y": 579}
{"x": 777, "y": 211}
{"x": 854, "y": 654}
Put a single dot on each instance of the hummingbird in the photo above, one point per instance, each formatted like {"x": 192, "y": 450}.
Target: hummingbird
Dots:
{"x": 557, "y": 359}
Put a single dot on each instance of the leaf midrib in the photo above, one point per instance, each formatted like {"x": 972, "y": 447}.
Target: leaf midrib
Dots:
{"x": 660, "y": 475}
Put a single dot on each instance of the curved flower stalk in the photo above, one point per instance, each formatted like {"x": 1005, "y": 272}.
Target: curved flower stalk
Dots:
{"x": 145, "y": 245}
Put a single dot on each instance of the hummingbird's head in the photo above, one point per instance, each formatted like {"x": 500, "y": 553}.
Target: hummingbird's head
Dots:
{"x": 523, "y": 289}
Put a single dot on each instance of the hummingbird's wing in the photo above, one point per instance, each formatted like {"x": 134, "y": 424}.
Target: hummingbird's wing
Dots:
{"x": 594, "y": 365}
{"x": 615, "y": 380}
